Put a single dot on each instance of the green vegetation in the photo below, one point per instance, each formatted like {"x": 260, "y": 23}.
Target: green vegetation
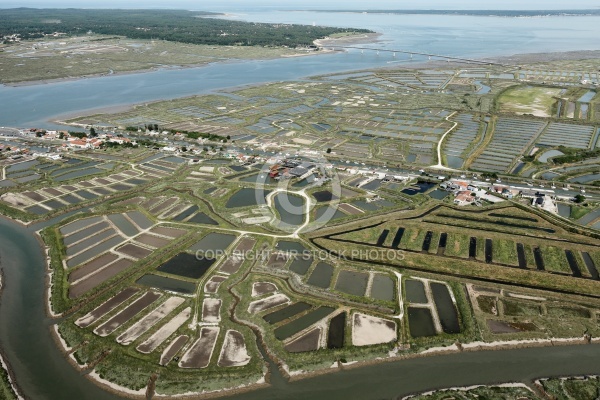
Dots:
{"x": 6, "y": 390}
{"x": 78, "y": 134}
{"x": 572, "y": 387}
{"x": 579, "y": 198}
{"x": 574, "y": 155}
{"x": 520, "y": 308}
{"x": 172, "y": 25}
{"x": 480, "y": 392}
{"x": 579, "y": 211}
{"x": 533, "y": 100}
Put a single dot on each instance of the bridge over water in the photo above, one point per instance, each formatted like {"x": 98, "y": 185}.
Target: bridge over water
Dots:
{"x": 430, "y": 55}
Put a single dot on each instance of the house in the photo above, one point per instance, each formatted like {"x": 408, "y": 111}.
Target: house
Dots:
{"x": 301, "y": 169}
{"x": 464, "y": 198}
{"x": 78, "y": 144}
{"x": 461, "y": 185}
{"x": 119, "y": 140}
{"x": 509, "y": 194}
{"x": 529, "y": 193}
{"x": 498, "y": 188}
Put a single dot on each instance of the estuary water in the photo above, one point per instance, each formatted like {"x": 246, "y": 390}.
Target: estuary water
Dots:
{"x": 461, "y": 36}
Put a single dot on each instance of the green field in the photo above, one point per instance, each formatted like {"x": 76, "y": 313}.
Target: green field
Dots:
{"x": 533, "y": 100}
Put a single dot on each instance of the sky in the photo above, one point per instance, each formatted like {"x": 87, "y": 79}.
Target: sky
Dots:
{"x": 215, "y": 5}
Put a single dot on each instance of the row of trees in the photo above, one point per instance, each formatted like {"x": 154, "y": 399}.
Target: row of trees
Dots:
{"x": 190, "y": 134}
{"x": 172, "y": 25}
{"x": 574, "y": 155}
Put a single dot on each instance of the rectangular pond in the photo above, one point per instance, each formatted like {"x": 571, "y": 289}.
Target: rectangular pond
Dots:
{"x": 573, "y": 263}
{"x": 94, "y": 251}
{"x": 427, "y": 241}
{"x": 79, "y": 224}
{"x": 350, "y": 282}
{"x": 382, "y": 237}
{"x": 89, "y": 242}
{"x": 438, "y": 194}
{"x": 321, "y": 275}
{"x": 202, "y": 218}
{"x": 415, "y": 291}
{"x": 287, "y": 312}
{"x": 187, "y": 265}
{"x": 78, "y": 174}
{"x": 301, "y": 265}
{"x": 246, "y": 197}
{"x": 86, "y": 195}
{"x": 327, "y": 213}
{"x": 420, "y": 322}
{"x": 488, "y": 250}
{"x": 84, "y": 233}
{"x": 472, "y": 247}
{"x": 168, "y": 284}
{"x": 213, "y": 242}
{"x": 185, "y": 213}
{"x": 445, "y": 307}
{"x": 397, "y": 238}
{"x": 297, "y": 325}
{"x": 589, "y": 263}
{"x": 123, "y": 224}
{"x": 335, "y": 335}
{"x": 539, "y": 260}
{"x": 382, "y": 288}
{"x": 140, "y": 219}
{"x": 521, "y": 255}
{"x": 419, "y": 187}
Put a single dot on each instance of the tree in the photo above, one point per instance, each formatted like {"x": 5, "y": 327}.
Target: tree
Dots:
{"x": 79, "y": 135}
{"x": 184, "y": 149}
{"x": 93, "y": 132}
{"x": 328, "y": 150}
{"x": 579, "y": 198}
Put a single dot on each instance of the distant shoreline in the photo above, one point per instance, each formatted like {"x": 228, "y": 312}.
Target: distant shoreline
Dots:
{"x": 475, "y": 13}
{"x": 350, "y": 39}
{"x": 363, "y": 38}
{"x": 522, "y": 58}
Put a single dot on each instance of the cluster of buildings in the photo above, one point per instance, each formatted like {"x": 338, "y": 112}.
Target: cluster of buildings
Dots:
{"x": 72, "y": 141}
{"x": 15, "y": 37}
{"x": 466, "y": 193}
{"x": 12, "y": 151}
{"x": 541, "y": 200}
